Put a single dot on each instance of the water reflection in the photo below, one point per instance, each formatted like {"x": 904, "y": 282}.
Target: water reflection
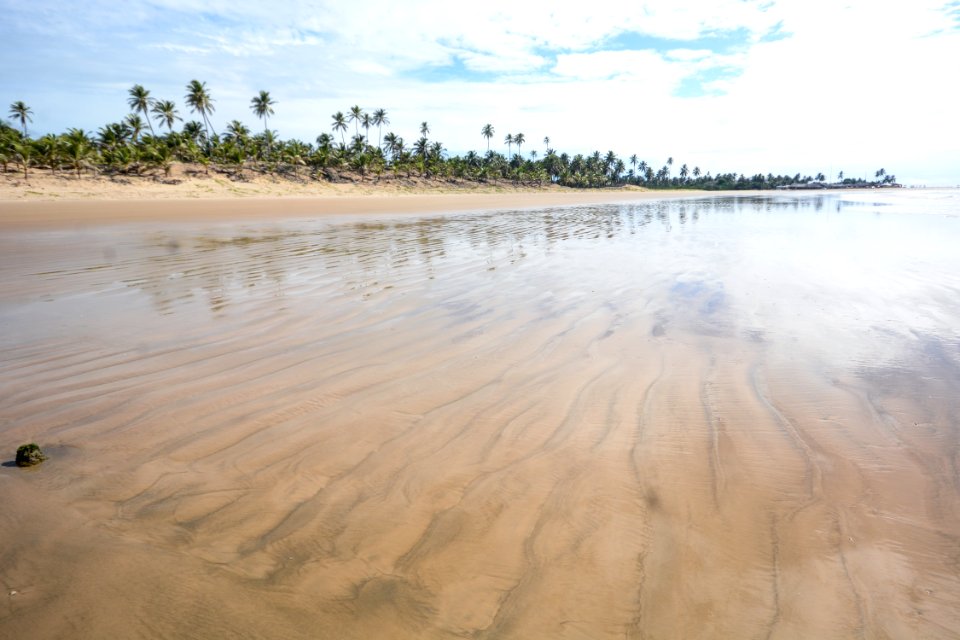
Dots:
{"x": 824, "y": 267}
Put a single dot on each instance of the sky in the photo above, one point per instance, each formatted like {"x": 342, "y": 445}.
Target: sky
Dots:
{"x": 770, "y": 86}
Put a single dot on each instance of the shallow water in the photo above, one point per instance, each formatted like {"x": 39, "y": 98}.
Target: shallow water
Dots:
{"x": 713, "y": 417}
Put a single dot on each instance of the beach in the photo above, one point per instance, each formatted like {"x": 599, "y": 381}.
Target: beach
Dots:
{"x": 48, "y": 200}
{"x": 530, "y": 413}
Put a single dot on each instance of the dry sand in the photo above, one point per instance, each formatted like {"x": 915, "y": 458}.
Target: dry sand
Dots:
{"x": 383, "y": 429}
{"x": 52, "y": 201}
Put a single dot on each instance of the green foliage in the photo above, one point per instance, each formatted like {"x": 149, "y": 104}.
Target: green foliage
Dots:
{"x": 124, "y": 147}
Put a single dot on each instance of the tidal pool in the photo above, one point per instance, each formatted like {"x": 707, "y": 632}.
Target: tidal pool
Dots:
{"x": 717, "y": 417}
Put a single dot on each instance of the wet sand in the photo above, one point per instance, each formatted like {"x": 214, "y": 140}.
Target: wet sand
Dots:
{"x": 707, "y": 418}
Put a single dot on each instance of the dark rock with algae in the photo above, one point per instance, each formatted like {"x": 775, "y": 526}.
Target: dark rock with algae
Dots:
{"x": 29, "y": 455}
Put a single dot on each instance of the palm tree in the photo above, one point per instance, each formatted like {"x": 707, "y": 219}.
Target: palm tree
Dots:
{"x": 840, "y": 177}
{"x": 380, "y": 119}
{"x": 546, "y": 142}
{"x": 135, "y": 123}
{"x": 160, "y": 155}
{"x": 24, "y": 151}
{"x": 262, "y": 106}
{"x": 617, "y": 169}
{"x": 518, "y": 140}
{"x": 421, "y": 148}
{"x": 199, "y": 101}
{"x": 20, "y": 111}
{"x": 390, "y": 142}
{"x": 165, "y": 112}
{"x": 140, "y": 101}
{"x": 193, "y": 130}
{"x": 397, "y": 148}
{"x": 366, "y": 122}
{"x": 340, "y": 124}
{"x": 49, "y": 149}
{"x": 237, "y": 132}
{"x": 424, "y": 129}
{"x": 356, "y": 114}
{"x": 508, "y": 140}
{"x": 78, "y": 149}
{"x": 642, "y": 167}
{"x": 487, "y": 132}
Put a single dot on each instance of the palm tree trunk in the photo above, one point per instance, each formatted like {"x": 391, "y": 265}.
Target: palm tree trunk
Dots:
{"x": 149, "y": 124}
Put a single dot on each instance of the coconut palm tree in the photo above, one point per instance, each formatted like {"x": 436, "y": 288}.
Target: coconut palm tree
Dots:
{"x": 24, "y": 151}
{"x": 518, "y": 140}
{"x": 617, "y": 169}
{"x": 237, "y": 132}
{"x": 262, "y": 106}
{"x": 609, "y": 160}
{"x": 114, "y": 135}
{"x": 355, "y": 116}
{"x": 546, "y": 142}
{"x": 135, "y": 123}
{"x": 20, "y": 111}
{"x": 140, "y": 102}
{"x": 424, "y": 129}
{"x": 487, "y": 132}
{"x": 49, "y": 149}
{"x": 165, "y": 112}
{"x": 379, "y": 119}
{"x": 193, "y": 130}
{"x": 508, "y": 140}
{"x": 389, "y": 143}
{"x": 199, "y": 101}
{"x": 78, "y": 149}
{"x": 365, "y": 122}
{"x": 340, "y": 124}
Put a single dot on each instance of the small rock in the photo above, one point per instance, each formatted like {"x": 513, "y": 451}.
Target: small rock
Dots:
{"x": 29, "y": 455}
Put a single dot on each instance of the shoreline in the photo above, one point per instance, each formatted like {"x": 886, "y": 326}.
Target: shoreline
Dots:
{"x": 57, "y": 213}
{"x": 50, "y": 202}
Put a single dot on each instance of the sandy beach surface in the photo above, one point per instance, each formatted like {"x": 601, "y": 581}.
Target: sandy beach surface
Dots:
{"x": 269, "y": 419}
{"x": 55, "y": 201}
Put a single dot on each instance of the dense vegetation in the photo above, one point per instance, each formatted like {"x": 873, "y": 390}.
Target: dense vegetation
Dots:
{"x": 134, "y": 146}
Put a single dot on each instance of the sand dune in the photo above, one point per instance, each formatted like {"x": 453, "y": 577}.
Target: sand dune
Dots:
{"x": 523, "y": 425}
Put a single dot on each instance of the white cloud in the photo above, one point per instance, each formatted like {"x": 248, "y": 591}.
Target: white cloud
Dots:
{"x": 688, "y": 55}
{"x": 647, "y": 65}
{"x": 487, "y": 63}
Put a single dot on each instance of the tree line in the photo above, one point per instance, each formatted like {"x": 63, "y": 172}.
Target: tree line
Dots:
{"x": 133, "y": 146}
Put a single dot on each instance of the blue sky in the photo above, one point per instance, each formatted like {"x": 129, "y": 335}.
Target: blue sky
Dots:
{"x": 727, "y": 85}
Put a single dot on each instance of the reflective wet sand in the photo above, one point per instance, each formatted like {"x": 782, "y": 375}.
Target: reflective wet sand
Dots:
{"x": 708, "y": 418}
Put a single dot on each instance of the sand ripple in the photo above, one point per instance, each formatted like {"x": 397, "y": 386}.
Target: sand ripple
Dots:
{"x": 623, "y": 422}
